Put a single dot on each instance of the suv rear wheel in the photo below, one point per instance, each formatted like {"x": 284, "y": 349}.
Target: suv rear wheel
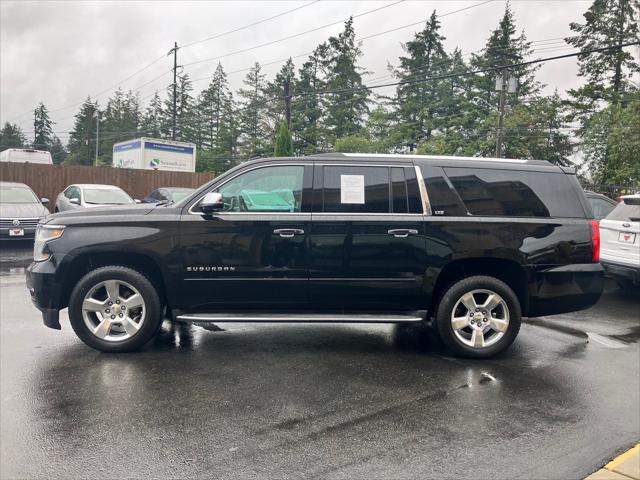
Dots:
{"x": 115, "y": 309}
{"x": 478, "y": 317}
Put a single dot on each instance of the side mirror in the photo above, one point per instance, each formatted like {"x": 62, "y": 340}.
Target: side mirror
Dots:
{"x": 212, "y": 202}
{"x": 137, "y": 201}
{"x": 44, "y": 201}
{"x": 75, "y": 201}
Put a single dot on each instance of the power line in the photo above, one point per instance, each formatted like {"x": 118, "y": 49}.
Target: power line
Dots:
{"x": 289, "y": 37}
{"x": 244, "y": 27}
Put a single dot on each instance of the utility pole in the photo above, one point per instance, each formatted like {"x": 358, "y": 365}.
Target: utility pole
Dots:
{"x": 89, "y": 117}
{"x": 174, "y": 50}
{"x": 287, "y": 101}
{"x": 97, "y": 131}
{"x": 35, "y": 129}
{"x": 499, "y": 132}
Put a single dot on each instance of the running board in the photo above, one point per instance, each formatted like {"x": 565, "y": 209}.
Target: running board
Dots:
{"x": 299, "y": 318}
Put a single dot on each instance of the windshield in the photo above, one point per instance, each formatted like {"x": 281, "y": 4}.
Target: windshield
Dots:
{"x": 106, "y": 196}
{"x": 17, "y": 195}
{"x": 180, "y": 195}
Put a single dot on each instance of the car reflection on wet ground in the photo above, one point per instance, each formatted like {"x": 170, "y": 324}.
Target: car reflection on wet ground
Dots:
{"x": 329, "y": 401}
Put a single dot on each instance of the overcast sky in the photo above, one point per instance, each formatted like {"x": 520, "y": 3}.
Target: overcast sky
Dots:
{"x": 60, "y": 52}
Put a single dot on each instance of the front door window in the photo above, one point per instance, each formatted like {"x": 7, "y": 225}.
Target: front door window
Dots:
{"x": 276, "y": 189}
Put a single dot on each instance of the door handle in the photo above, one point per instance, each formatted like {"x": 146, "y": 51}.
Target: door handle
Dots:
{"x": 288, "y": 232}
{"x": 402, "y": 232}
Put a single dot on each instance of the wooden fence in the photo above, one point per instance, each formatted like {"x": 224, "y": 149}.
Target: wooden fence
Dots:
{"x": 49, "y": 180}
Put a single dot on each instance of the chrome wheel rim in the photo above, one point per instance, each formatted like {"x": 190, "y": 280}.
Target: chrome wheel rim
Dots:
{"x": 480, "y": 318}
{"x": 113, "y": 310}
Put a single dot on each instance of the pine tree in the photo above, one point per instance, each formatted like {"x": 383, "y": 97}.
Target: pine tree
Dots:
{"x": 503, "y": 47}
{"x": 420, "y": 104}
{"x": 11, "y": 136}
{"x": 276, "y": 91}
{"x": 607, "y": 74}
{"x": 284, "y": 144}
{"x": 213, "y": 105}
{"x": 119, "y": 121}
{"x": 346, "y": 109}
{"x": 307, "y": 109}
{"x": 185, "y": 126}
{"x": 42, "y": 126}
{"x": 82, "y": 137}
{"x": 154, "y": 120}
{"x": 58, "y": 151}
{"x": 252, "y": 113}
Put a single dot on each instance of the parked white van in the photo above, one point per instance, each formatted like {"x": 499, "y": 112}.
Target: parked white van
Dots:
{"x": 26, "y": 155}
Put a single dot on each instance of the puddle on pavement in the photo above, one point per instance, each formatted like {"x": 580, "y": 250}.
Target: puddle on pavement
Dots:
{"x": 609, "y": 341}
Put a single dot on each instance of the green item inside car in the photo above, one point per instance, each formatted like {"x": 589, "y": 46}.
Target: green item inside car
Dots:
{"x": 275, "y": 201}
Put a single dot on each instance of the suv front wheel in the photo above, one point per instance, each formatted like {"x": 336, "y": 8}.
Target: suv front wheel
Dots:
{"x": 478, "y": 317}
{"x": 115, "y": 309}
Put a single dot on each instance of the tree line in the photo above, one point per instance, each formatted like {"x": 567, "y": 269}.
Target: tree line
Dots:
{"x": 436, "y": 108}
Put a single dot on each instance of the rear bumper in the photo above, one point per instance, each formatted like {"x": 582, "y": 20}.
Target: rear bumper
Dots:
{"x": 563, "y": 289}
{"x": 618, "y": 270}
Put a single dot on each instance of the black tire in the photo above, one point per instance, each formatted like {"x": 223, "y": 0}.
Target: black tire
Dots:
{"x": 150, "y": 323}
{"x": 450, "y": 298}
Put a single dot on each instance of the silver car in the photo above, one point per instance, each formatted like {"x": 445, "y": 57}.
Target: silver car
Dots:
{"x": 20, "y": 211}
{"x": 86, "y": 195}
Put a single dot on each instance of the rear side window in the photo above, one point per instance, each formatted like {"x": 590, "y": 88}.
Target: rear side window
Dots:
{"x": 368, "y": 189}
{"x": 514, "y": 193}
{"x": 626, "y": 212}
{"x": 443, "y": 199}
{"x": 352, "y": 189}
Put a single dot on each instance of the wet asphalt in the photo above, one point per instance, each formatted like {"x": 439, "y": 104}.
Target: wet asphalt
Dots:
{"x": 315, "y": 401}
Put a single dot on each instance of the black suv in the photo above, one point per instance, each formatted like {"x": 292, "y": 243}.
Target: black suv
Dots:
{"x": 471, "y": 244}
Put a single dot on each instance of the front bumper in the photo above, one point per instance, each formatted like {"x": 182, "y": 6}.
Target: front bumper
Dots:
{"x": 564, "y": 289}
{"x": 618, "y": 270}
{"x": 46, "y": 291}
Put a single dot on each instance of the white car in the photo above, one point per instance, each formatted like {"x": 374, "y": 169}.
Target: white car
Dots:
{"x": 620, "y": 242}
{"x": 85, "y": 195}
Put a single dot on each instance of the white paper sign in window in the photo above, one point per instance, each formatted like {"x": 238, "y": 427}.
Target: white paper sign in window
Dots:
{"x": 352, "y": 189}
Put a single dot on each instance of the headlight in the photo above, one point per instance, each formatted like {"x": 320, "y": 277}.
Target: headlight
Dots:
{"x": 44, "y": 234}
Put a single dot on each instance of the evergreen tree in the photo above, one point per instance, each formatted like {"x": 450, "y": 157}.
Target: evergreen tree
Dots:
{"x": 154, "y": 120}
{"x": 214, "y": 107}
{"x": 11, "y": 136}
{"x": 307, "y": 109}
{"x": 119, "y": 121}
{"x": 58, "y": 151}
{"x": 185, "y": 129}
{"x": 503, "y": 47}
{"x": 607, "y": 74}
{"x": 42, "y": 126}
{"x": 608, "y": 80}
{"x": 82, "y": 137}
{"x": 284, "y": 144}
{"x": 275, "y": 93}
{"x": 611, "y": 142}
{"x": 346, "y": 109}
{"x": 419, "y": 105}
{"x": 252, "y": 113}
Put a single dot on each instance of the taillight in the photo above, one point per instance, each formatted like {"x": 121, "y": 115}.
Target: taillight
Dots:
{"x": 595, "y": 241}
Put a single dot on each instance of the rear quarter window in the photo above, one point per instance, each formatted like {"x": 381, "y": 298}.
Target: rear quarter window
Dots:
{"x": 515, "y": 193}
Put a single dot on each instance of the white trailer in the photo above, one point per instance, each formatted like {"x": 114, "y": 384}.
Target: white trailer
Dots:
{"x": 26, "y": 155}
{"x": 155, "y": 154}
